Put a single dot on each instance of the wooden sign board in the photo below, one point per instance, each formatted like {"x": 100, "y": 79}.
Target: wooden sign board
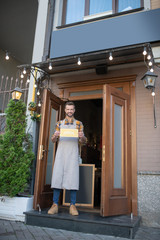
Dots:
{"x": 85, "y": 194}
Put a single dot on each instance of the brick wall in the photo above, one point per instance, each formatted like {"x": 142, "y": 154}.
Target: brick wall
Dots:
{"x": 155, "y": 4}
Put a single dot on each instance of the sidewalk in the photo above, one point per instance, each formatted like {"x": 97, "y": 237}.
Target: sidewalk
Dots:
{"x": 11, "y": 230}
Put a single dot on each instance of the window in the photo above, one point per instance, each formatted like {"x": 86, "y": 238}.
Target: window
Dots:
{"x": 79, "y": 10}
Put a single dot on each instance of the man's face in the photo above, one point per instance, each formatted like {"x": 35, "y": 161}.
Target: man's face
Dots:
{"x": 69, "y": 110}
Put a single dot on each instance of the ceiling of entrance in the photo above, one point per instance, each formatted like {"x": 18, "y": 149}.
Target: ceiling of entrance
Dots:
{"x": 17, "y": 28}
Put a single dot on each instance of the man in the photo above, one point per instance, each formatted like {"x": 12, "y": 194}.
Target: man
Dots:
{"x": 66, "y": 166}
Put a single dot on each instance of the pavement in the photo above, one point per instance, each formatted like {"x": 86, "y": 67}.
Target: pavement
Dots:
{"x": 12, "y": 230}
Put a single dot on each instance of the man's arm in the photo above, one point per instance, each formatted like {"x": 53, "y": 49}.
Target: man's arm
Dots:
{"x": 56, "y": 134}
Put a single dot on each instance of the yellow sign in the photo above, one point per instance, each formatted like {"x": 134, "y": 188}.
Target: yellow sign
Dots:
{"x": 69, "y": 133}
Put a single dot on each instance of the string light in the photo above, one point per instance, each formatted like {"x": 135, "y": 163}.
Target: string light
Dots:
{"x": 145, "y": 51}
{"x": 110, "y": 56}
{"x": 153, "y": 93}
{"x": 7, "y": 56}
{"x": 35, "y": 85}
{"x": 150, "y": 63}
{"x": 24, "y": 71}
{"x": 39, "y": 104}
{"x": 22, "y": 76}
{"x": 149, "y": 56}
{"x": 79, "y": 61}
{"x": 50, "y": 66}
{"x": 151, "y": 70}
{"x": 38, "y": 93}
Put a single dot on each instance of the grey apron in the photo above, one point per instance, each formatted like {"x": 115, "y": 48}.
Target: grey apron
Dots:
{"x": 66, "y": 167}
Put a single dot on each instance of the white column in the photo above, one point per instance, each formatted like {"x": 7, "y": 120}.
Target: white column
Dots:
{"x": 38, "y": 48}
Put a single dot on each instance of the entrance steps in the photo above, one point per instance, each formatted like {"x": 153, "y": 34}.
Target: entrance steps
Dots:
{"x": 86, "y": 222}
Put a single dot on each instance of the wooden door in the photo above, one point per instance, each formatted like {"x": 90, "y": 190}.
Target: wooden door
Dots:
{"x": 51, "y": 112}
{"x": 116, "y": 154}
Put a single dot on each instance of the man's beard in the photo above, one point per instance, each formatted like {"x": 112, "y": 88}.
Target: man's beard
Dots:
{"x": 70, "y": 114}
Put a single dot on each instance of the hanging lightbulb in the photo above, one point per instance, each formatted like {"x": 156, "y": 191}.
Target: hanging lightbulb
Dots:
{"x": 110, "y": 56}
{"x": 35, "y": 85}
{"x": 7, "y": 56}
{"x": 79, "y": 61}
{"x": 38, "y": 92}
{"x": 28, "y": 80}
{"x": 149, "y": 56}
{"x": 24, "y": 71}
{"x": 145, "y": 51}
{"x": 39, "y": 104}
{"x": 50, "y": 66}
{"x": 151, "y": 69}
{"x": 150, "y": 63}
{"x": 22, "y": 76}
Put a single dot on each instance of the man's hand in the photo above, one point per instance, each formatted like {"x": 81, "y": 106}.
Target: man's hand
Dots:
{"x": 55, "y": 136}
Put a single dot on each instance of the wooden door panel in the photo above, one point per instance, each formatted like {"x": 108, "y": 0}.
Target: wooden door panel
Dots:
{"x": 116, "y": 172}
{"x": 42, "y": 192}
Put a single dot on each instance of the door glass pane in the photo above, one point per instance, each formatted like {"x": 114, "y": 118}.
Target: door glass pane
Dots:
{"x": 117, "y": 146}
{"x": 50, "y": 148}
{"x": 83, "y": 93}
{"x": 125, "y": 5}
{"x": 99, "y": 6}
{"x": 75, "y": 11}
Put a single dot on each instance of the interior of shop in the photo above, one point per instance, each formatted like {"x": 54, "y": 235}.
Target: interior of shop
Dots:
{"x": 89, "y": 112}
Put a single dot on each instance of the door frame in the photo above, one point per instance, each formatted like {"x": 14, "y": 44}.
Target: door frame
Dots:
{"x": 128, "y": 85}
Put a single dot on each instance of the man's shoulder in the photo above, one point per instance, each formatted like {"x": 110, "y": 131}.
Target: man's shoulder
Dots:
{"x": 78, "y": 122}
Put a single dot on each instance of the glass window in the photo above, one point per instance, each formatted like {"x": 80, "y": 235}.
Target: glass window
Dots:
{"x": 125, "y": 5}
{"x": 75, "y": 11}
{"x": 98, "y": 6}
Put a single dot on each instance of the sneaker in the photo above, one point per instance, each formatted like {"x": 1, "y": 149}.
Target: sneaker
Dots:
{"x": 73, "y": 211}
{"x": 53, "y": 209}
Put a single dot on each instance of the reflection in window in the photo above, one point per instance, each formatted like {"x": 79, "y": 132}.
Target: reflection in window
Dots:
{"x": 98, "y": 6}
{"x": 75, "y": 11}
{"x": 125, "y": 5}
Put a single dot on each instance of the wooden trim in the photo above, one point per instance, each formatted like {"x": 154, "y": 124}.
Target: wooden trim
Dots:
{"x": 97, "y": 82}
{"x": 133, "y": 150}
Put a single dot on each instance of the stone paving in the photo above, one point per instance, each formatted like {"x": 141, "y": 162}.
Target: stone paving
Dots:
{"x": 11, "y": 230}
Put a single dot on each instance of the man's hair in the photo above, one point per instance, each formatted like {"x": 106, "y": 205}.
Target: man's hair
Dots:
{"x": 70, "y": 104}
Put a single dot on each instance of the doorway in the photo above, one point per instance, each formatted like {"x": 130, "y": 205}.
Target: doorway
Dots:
{"x": 89, "y": 112}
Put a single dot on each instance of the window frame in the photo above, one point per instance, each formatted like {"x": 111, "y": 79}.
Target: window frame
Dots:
{"x": 86, "y": 10}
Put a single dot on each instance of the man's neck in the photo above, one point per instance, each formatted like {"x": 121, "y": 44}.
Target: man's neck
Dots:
{"x": 70, "y": 119}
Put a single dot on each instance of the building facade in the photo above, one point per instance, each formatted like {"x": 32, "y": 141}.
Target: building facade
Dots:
{"x": 92, "y": 53}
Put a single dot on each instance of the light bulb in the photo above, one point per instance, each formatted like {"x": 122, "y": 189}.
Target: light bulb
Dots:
{"x": 35, "y": 85}
{"x": 153, "y": 93}
{"x": 50, "y": 66}
{"x": 151, "y": 70}
{"x": 28, "y": 80}
{"x": 150, "y": 63}
{"x": 39, "y": 104}
{"x": 79, "y": 61}
{"x": 149, "y": 56}
{"x": 7, "y": 56}
{"x": 110, "y": 56}
{"x": 22, "y": 76}
{"x": 145, "y": 51}
{"x": 38, "y": 93}
{"x": 24, "y": 71}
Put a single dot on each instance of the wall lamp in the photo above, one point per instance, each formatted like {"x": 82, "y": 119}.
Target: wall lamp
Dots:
{"x": 16, "y": 94}
{"x": 149, "y": 81}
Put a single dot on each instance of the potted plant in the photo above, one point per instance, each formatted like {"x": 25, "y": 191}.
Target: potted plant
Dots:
{"x": 32, "y": 106}
{"x": 16, "y": 158}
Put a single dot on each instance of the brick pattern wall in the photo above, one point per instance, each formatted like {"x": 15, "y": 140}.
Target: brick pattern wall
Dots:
{"x": 155, "y": 4}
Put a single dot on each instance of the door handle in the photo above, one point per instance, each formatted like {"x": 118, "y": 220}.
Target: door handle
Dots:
{"x": 41, "y": 151}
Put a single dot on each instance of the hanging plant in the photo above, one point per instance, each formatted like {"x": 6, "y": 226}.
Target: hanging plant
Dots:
{"x": 35, "y": 116}
{"x": 32, "y": 106}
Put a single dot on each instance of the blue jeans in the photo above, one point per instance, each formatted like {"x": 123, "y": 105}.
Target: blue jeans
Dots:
{"x": 56, "y": 194}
